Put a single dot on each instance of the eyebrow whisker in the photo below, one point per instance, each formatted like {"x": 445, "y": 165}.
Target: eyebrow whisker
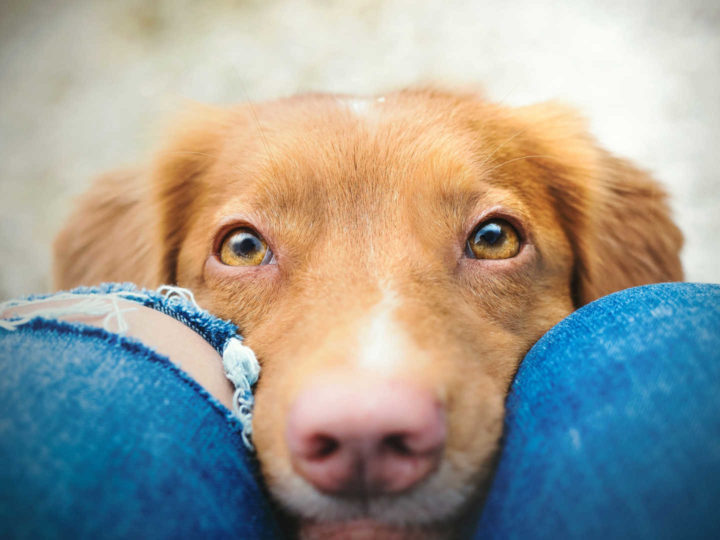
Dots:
{"x": 497, "y": 148}
{"x": 264, "y": 140}
{"x": 518, "y": 159}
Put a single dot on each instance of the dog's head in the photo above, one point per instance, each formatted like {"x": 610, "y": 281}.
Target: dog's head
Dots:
{"x": 390, "y": 260}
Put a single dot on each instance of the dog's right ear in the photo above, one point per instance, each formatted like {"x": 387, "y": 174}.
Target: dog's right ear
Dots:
{"x": 129, "y": 225}
{"x": 615, "y": 215}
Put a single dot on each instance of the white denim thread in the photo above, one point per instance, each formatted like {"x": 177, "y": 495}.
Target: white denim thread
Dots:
{"x": 91, "y": 304}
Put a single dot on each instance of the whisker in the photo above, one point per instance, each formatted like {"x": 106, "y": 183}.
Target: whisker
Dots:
{"x": 190, "y": 152}
{"x": 264, "y": 140}
{"x": 497, "y": 148}
{"x": 507, "y": 94}
{"x": 518, "y": 159}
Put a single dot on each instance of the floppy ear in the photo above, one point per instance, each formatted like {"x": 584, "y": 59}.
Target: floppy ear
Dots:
{"x": 129, "y": 225}
{"x": 631, "y": 239}
{"x": 615, "y": 215}
{"x": 109, "y": 235}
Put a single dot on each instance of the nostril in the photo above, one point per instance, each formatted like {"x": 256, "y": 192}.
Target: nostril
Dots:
{"x": 396, "y": 443}
{"x": 323, "y": 446}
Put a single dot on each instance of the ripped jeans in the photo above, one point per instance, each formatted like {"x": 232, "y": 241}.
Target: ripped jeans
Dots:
{"x": 612, "y": 427}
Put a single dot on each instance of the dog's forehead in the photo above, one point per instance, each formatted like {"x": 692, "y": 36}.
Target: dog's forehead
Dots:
{"x": 344, "y": 149}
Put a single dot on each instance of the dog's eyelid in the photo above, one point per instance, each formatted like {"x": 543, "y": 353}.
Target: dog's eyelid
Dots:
{"x": 512, "y": 222}
{"x": 228, "y": 255}
{"x": 269, "y": 257}
{"x": 231, "y": 223}
{"x": 515, "y": 219}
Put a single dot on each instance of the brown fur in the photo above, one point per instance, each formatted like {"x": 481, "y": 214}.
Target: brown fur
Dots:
{"x": 355, "y": 204}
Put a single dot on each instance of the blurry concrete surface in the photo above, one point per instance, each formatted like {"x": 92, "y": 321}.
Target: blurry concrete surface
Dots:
{"x": 84, "y": 86}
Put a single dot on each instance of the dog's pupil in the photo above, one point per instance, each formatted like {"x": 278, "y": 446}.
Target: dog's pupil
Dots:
{"x": 246, "y": 246}
{"x": 490, "y": 234}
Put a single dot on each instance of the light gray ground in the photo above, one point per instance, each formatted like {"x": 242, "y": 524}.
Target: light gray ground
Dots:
{"x": 85, "y": 85}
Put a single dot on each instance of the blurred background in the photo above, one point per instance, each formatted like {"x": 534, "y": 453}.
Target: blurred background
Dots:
{"x": 85, "y": 86}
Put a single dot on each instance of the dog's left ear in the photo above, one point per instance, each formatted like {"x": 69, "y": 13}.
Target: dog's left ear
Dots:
{"x": 129, "y": 226}
{"x": 614, "y": 214}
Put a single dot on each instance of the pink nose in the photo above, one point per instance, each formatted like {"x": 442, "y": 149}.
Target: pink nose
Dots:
{"x": 353, "y": 436}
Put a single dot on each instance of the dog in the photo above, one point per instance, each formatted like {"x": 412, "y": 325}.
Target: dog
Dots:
{"x": 390, "y": 259}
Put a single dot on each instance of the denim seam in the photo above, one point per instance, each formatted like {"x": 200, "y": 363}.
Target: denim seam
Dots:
{"x": 169, "y": 305}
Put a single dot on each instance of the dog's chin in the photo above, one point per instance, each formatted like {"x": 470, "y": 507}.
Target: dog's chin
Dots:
{"x": 360, "y": 529}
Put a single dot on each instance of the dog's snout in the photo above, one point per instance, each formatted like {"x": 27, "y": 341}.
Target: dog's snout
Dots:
{"x": 358, "y": 437}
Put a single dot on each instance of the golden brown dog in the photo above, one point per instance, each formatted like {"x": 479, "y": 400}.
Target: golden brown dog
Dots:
{"x": 390, "y": 260}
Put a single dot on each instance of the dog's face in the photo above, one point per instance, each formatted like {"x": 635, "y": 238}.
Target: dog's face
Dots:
{"x": 390, "y": 260}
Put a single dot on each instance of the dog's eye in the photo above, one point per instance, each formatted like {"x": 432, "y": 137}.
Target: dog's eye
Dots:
{"x": 244, "y": 247}
{"x": 493, "y": 239}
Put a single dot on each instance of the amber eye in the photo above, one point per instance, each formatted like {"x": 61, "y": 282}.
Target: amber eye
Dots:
{"x": 493, "y": 239}
{"x": 244, "y": 247}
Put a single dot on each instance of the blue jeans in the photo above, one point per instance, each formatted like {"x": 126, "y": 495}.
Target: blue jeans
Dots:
{"x": 612, "y": 431}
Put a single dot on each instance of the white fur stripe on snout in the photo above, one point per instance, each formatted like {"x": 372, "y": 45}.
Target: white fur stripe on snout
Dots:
{"x": 383, "y": 344}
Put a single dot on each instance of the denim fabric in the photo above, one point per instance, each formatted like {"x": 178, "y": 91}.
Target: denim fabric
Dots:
{"x": 241, "y": 366}
{"x": 100, "y": 437}
{"x": 613, "y": 423}
{"x": 612, "y": 431}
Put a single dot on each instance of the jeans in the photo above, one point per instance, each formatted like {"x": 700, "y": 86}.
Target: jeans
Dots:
{"x": 613, "y": 423}
{"x": 612, "y": 431}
